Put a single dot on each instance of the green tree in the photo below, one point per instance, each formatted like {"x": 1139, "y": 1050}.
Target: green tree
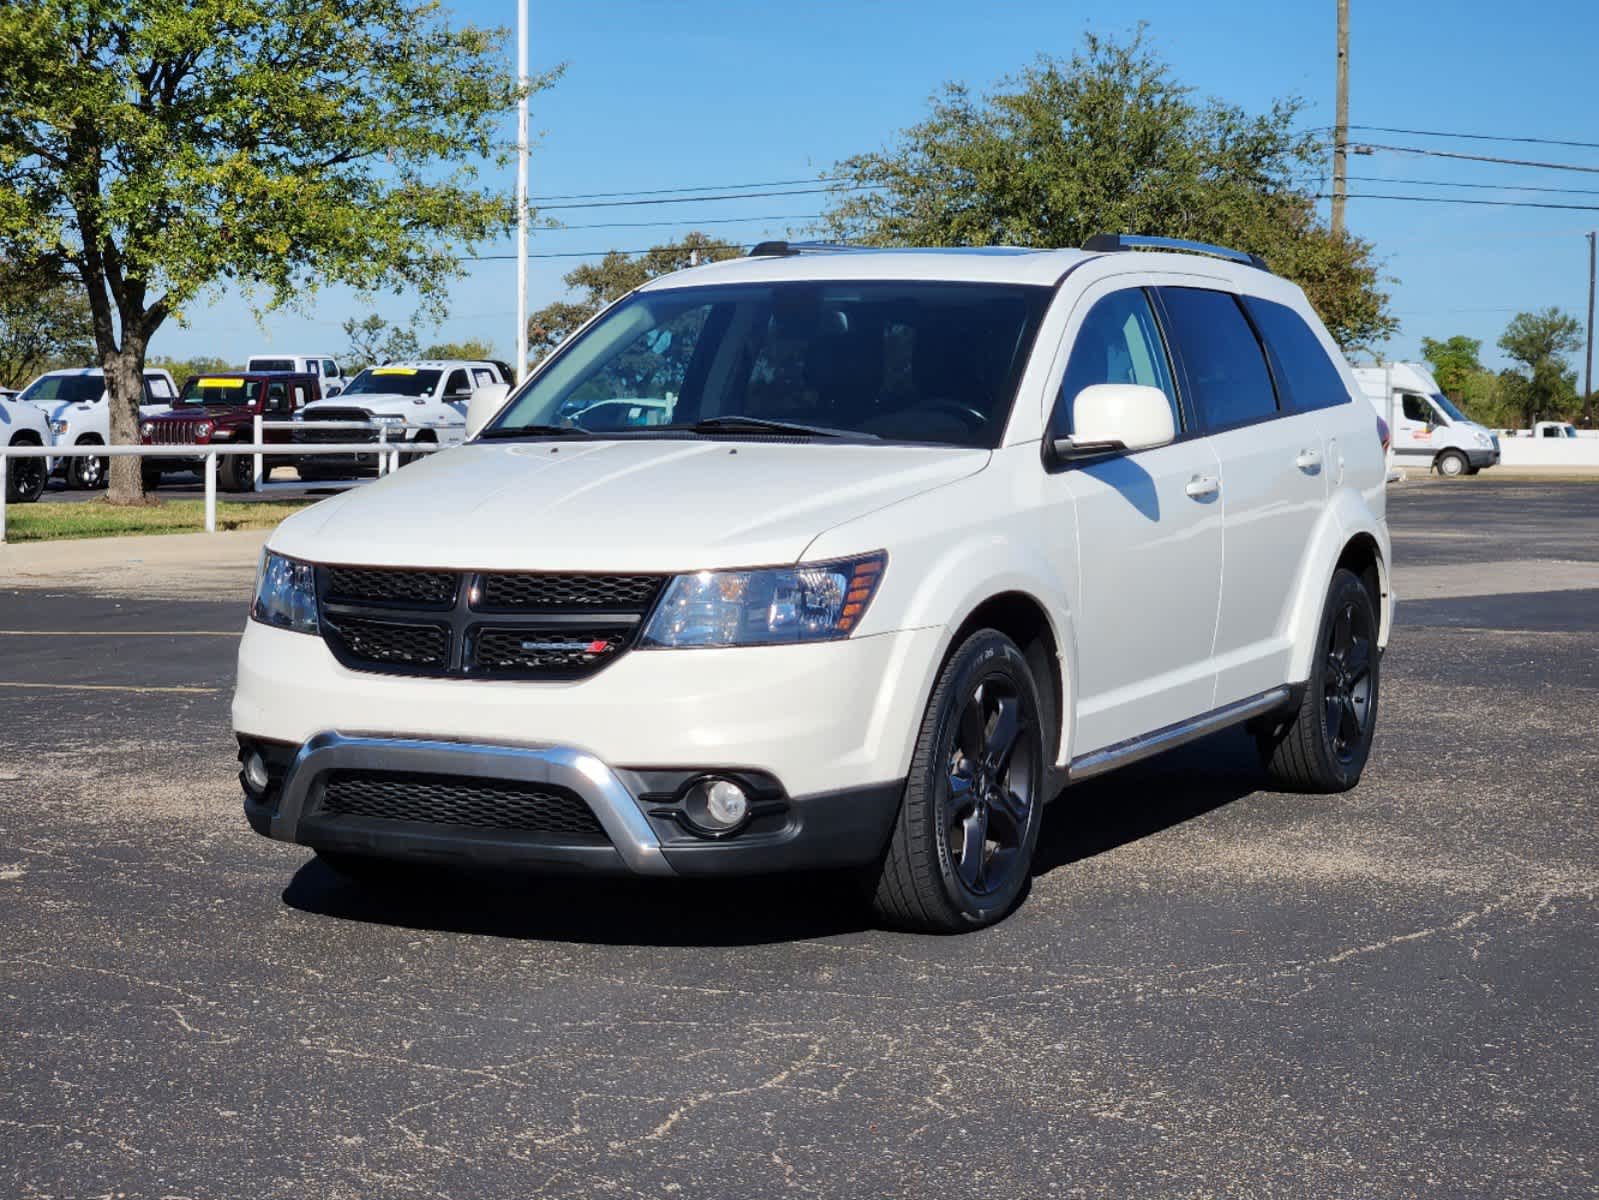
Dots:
{"x": 1453, "y": 362}
{"x": 1539, "y": 341}
{"x": 1110, "y": 141}
{"x": 472, "y": 348}
{"x": 44, "y": 323}
{"x": 185, "y": 369}
{"x": 373, "y": 341}
{"x": 613, "y": 277}
{"x": 163, "y": 148}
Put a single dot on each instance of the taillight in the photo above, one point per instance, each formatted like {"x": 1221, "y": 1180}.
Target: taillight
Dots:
{"x": 1382, "y": 434}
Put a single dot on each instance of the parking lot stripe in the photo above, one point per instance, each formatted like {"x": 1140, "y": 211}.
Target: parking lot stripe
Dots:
{"x": 107, "y": 687}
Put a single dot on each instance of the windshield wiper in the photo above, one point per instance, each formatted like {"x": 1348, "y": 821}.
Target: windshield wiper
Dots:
{"x": 512, "y": 431}
{"x": 733, "y": 423}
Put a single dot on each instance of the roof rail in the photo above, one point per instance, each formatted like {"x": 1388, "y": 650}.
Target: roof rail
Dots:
{"x": 1105, "y": 243}
{"x": 781, "y": 249}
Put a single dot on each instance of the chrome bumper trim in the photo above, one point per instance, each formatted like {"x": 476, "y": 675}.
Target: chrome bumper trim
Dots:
{"x": 614, "y": 807}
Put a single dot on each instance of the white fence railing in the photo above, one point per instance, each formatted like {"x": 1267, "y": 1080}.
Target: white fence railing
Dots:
{"x": 388, "y": 459}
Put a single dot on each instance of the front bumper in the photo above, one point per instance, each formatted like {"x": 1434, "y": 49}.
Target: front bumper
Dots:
{"x": 1483, "y": 458}
{"x": 640, "y": 830}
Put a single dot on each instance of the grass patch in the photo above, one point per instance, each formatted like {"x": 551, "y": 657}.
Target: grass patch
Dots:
{"x": 96, "y": 518}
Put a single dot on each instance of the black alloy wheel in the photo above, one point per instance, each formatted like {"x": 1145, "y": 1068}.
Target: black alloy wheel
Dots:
{"x": 1347, "y": 679}
{"x": 961, "y": 852}
{"x": 990, "y": 790}
{"x": 25, "y": 478}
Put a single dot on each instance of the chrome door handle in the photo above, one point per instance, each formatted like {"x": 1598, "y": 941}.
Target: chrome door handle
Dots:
{"x": 1309, "y": 461}
{"x": 1203, "y": 487}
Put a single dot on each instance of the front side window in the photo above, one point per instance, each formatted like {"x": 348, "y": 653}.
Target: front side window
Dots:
{"x": 1304, "y": 371}
{"x": 1416, "y": 408}
{"x": 394, "y": 381}
{"x": 457, "y": 385}
{"x": 1119, "y": 342}
{"x": 900, "y": 361}
{"x": 329, "y": 367}
{"x": 1221, "y": 357}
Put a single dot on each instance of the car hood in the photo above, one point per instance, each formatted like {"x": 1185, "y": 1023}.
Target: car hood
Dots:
{"x": 384, "y": 402}
{"x": 204, "y": 412}
{"x": 644, "y": 505}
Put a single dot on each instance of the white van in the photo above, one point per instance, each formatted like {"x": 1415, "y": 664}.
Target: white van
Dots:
{"x": 324, "y": 366}
{"x": 75, "y": 402}
{"x": 1427, "y": 429}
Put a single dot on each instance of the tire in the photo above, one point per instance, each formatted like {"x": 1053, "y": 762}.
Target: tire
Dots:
{"x": 236, "y": 473}
{"x": 961, "y": 853}
{"x": 1452, "y": 464}
{"x": 88, "y": 473}
{"x": 151, "y": 477}
{"x": 25, "y": 477}
{"x": 1322, "y": 747}
{"x": 422, "y": 438}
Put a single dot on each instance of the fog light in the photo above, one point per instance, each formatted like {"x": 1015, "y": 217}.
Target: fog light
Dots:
{"x": 717, "y": 805}
{"x": 255, "y": 773}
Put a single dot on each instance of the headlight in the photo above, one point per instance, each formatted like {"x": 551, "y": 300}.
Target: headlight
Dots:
{"x": 59, "y": 428}
{"x": 285, "y": 594}
{"x": 810, "y": 603}
{"x": 203, "y": 429}
{"x": 388, "y": 418}
{"x": 146, "y": 428}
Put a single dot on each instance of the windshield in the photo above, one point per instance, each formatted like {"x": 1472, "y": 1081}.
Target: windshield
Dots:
{"x": 911, "y": 362}
{"x": 1450, "y": 411}
{"x": 393, "y": 381}
{"x": 73, "y": 389}
{"x": 212, "y": 389}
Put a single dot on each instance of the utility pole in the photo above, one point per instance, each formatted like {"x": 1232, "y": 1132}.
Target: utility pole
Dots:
{"x": 521, "y": 192}
{"x": 1341, "y": 123}
{"x": 1587, "y": 378}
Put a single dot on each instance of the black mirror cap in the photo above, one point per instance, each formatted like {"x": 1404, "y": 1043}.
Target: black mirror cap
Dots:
{"x": 1061, "y": 450}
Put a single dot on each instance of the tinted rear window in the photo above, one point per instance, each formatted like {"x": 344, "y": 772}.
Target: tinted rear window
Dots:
{"x": 1221, "y": 357}
{"x": 273, "y": 364}
{"x": 1307, "y": 375}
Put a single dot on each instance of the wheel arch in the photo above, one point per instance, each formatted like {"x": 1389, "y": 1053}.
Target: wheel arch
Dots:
{"x": 1021, "y": 617}
{"x": 1349, "y": 535}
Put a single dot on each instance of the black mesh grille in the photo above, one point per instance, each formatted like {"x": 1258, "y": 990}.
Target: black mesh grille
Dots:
{"x": 460, "y": 800}
{"x": 623, "y": 593}
{"x": 376, "y": 586}
{"x": 389, "y": 643}
{"x": 558, "y": 649}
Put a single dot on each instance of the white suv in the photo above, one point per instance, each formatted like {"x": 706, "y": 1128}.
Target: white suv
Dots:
{"x": 424, "y": 400}
{"x": 24, "y": 424}
{"x": 920, "y": 537}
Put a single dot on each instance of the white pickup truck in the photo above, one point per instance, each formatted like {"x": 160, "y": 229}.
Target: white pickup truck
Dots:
{"x": 76, "y": 404}
{"x": 324, "y": 366}
{"x": 419, "y": 401}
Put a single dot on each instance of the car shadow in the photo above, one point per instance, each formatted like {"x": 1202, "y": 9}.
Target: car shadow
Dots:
{"x": 1090, "y": 819}
{"x": 1097, "y": 816}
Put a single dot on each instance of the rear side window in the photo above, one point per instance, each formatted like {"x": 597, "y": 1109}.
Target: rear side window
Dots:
{"x": 1304, "y": 371}
{"x": 329, "y": 367}
{"x": 1119, "y": 342}
{"x": 1221, "y": 357}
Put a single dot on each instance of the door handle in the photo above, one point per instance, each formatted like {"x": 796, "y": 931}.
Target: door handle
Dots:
{"x": 1203, "y": 487}
{"x": 1309, "y": 461}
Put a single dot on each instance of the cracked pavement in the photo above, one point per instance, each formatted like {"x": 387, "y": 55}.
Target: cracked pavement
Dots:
{"x": 1213, "y": 991}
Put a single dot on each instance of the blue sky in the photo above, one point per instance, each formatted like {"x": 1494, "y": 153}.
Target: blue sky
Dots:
{"x": 664, "y": 95}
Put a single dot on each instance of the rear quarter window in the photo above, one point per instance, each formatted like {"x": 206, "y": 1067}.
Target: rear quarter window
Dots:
{"x": 1306, "y": 374}
{"x": 1221, "y": 357}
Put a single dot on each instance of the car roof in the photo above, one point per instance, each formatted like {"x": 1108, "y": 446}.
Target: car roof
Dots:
{"x": 979, "y": 264}
{"x": 434, "y": 364}
{"x": 290, "y": 354}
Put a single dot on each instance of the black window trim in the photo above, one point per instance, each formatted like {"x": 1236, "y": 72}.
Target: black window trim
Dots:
{"x": 1278, "y": 411}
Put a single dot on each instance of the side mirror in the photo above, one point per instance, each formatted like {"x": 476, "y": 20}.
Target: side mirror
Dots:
{"x": 485, "y": 402}
{"x": 333, "y": 391}
{"x": 1112, "y": 417}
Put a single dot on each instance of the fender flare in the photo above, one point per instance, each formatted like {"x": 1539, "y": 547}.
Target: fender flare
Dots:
{"x": 1345, "y": 519}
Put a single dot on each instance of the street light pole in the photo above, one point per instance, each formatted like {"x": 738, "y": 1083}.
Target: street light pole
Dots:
{"x": 521, "y": 191}
{"x": 1587, "y": 378}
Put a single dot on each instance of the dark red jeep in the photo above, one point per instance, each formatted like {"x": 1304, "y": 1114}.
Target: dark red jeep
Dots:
{"x": 222, "y": 408}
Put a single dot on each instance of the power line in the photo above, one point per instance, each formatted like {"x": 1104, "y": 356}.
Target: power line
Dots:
{"x": 1467, "y": 200}
{"x": 703, "y": 187}
{"x": 1477, "y": 137}
{"x": 1495, "y": 187}
{"x": 687, "y": 221}
{"x": 1509, "y": 162}
{"x": 705, "y": 197}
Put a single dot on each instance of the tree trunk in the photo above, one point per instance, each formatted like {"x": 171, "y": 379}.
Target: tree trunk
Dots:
{"x": 124, "y": 375}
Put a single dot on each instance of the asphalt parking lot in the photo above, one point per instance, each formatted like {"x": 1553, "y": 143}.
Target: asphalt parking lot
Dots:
{"x": 1213, "y": 991}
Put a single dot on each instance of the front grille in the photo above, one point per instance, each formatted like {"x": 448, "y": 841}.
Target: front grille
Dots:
{"x": 550, "y": 649}
{"x": 390, "y": 643}
{"x": 460, "y": 800}
{"x": 306, "y": 433}
{"x": 625, "y": 593}
{"x": 501, "y": 624}
{"x": 376, "y": 585}
{"x": 174, "y": 433}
